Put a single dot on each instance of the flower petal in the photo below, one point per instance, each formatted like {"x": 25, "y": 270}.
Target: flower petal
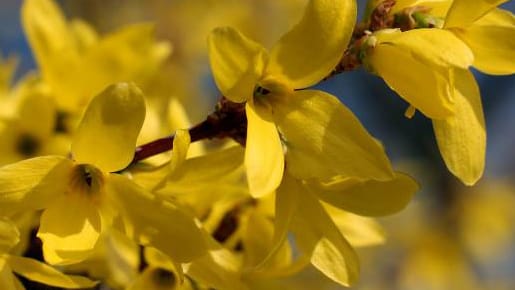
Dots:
{"x": 154, "y": 222}
{"x": 264, "y": 158}
{"x": 69, "y": 229}
{"x": 257, "y": 239}
{"x": 236, "y": 62}
{"x": 36, "y": 111}
{"x": 311, "y": 50}
{"x": 317, "y": 234}
{"x": 219, "y": 269}
{"x": 7, "y": 278}
{"x": 368, "y": 197}
{"x": 9, "y": 235}
{"x": 42, "y": 273}
{"x": 359, "y": 231}
{"x": 462, "y": 137}
{"x": 436, "y": 47}
{"x": 7, "y": 69}
{"x": 286, "y": 206}
{"x": 107, "y": 134}
{"x": 492, "y": 39}
{"x": 462, "y": 14}
{"x": 181, "y": 144}
{"x": 439, "y": 8}
{"x": 52, "y": 44}
{"x": 405, "y": 75}
{"x": 130, "y": 53}
{"x": 323, "y": 138}
{"x": 33, "y": 183}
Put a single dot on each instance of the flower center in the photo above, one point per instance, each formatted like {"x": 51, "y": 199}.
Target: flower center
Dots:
{"x": 163, "y": 277}
{"x": 87, "y": 180}
{"x": 27, "y": 145}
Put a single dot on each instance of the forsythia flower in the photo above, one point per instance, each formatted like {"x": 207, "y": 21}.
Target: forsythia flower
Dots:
{"x": 300, "y": 208}
{"x": 488, "y": 31}
{"x": 68, "y": 53}
{"x": 438, "y": 60}
{"x": 321, "y": 137}
{"x": 27, "y": 128}
{"x": 82, "y": 198}
{"x": 29, "y": 268}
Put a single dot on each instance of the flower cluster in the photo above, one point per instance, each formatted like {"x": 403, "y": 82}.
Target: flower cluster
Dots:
{"x": 293, "y": 185}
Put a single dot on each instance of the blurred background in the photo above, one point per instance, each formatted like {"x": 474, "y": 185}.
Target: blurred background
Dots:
{"x": 450, "y": 237}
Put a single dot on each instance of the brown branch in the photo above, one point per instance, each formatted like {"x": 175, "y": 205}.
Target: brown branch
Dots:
{"x": 228, "y": 120}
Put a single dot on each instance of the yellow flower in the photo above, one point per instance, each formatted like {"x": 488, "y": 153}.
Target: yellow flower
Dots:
{"x": 488, "y": 34}
{"x": 29, "y": 268}
{"x": 81, "y": 198}
{"x": 434, "y": 79}
{"x": 299, "y": 209}
{"x": 488, "y": 31}
{"x": 321, "y": 137}
{"x": 323, "y": 233}
{"x": 27, "y": 127}
{"x": 427, "y": 58}
{"x": 68, "y": 53}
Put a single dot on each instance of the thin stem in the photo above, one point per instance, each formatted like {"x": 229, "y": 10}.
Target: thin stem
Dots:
{"x": 228, "y": 120}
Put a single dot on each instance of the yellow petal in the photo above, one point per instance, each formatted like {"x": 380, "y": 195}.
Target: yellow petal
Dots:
{"x": 323, "y": 138}
{"x": 161, "y": 273}
{"x": 154, "y": 222}
{"x": 153, "y": 278}
{"x": 257, "y": 239}
{"x": 130, "y": 54}
{"x": 196, "y": 178}
{"x": 236, "y": 62}
{"x": 434, "y": 100}
{"x": 83, "y": 33}
{"x": 492, "y": 39}
{"x": 36, "y": 112}
{"x": 69, "y": 229}
{"x": 462, "y": 138}
{"x": 359, "y": 231}
{"x": 156, "y": 258}
{"x": 107, "y": 134}
{"x": 33, "y": 184}
{"x": 264, "y": 158}
{"x": 286, "y": 204}
{"x": 9, "y": 235}
{"x": 436, "y": 47}
{"x": 196, "y": 172}
{"x": 51, "y": 43}
{"x": 218, "y": 269}
{"x": 42, "y": 273}
{"x": 181, "y": 144}
{"x": 277, "y": 260}
{"x": 7, "y": 69}
{"x": 368, "y": 197}
{"x": 439, "y": 8}
{"x": 462, "y": 14}
{"x": 7, "y": 278}
{"x": 311, "y": 50}
{"x": 317, "y": 234}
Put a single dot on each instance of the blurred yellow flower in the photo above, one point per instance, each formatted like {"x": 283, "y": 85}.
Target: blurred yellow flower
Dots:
{"x": 81, "y": 198}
